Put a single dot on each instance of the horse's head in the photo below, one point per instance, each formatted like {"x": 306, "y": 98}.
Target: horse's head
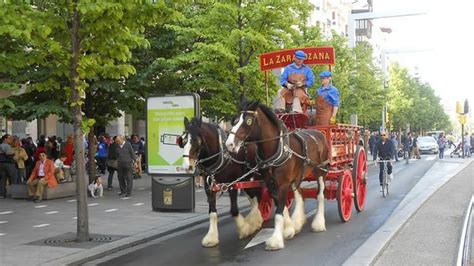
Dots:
{"x": 191, "y": 142}
{"x": 244, "y": 127}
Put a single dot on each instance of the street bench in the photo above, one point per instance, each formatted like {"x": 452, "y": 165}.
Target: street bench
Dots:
{"x": 66, "y": 189}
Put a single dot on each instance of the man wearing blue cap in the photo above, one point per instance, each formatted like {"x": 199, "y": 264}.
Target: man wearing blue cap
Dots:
{"x": 295, "y": 80}
{"x": 327, "y": 101}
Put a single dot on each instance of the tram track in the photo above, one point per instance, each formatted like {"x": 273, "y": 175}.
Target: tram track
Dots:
{"x": 465, "y": 243}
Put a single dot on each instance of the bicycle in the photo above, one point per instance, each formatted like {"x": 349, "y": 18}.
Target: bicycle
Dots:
{"x": 384, "y": 177}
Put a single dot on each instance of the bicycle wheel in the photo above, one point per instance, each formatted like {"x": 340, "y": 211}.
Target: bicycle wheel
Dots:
{"x": 384, "y": 182}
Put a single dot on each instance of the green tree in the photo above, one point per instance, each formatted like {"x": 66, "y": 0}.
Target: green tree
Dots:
{"x": 218, "y": 45}
{"x": 61, "y": 48}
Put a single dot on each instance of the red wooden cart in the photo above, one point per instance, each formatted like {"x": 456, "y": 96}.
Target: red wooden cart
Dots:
{"x": 346, "y": 178}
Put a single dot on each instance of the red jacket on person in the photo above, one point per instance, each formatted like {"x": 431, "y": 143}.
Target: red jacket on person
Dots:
{"x": 48, "y": 173}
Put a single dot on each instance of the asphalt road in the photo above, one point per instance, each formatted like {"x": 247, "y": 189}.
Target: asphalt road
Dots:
{"x": 307, "y": 248}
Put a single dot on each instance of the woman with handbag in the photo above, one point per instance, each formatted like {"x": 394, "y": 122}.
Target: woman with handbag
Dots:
{"x": 112, "y": 162}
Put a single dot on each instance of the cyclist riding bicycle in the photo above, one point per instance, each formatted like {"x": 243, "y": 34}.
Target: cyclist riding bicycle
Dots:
{"x": 384, "y": 151}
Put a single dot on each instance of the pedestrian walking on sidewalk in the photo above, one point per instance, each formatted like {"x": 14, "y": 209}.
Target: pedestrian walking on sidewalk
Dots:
{"x": 442, "y": 143}
{"x": 112, "y": 163}
{"x": 126, "y": 158}
{"x": 467, "y": 145}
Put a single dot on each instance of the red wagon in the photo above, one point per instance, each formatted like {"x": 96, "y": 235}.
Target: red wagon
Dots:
{"x": 346, "y": 180}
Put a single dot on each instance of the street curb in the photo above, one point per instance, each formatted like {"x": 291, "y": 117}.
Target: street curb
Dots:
{"x": 429, "y": 184}
{"x": 87, "y": 255}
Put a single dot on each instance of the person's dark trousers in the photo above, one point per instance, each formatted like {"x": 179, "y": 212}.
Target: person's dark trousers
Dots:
{"x": 125, "y": 177}
{"x": 110, "y": 179}
{"x": 389, "y": 171}
{"x": 373, "y": 154}
{"x": 441, "y": 153}
{"x": 7, "y": 173}
{"x": 101, "y": 163}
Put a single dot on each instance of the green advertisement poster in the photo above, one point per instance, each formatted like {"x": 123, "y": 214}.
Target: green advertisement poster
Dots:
{"x": 165, "y": 116}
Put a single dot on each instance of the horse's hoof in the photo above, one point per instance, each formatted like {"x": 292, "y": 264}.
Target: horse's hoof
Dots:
{"x": 289, "y": 232}
{"x": 274, "y": 243}
{"x": 318, "y": 227}
{"x": 208, "y": 242}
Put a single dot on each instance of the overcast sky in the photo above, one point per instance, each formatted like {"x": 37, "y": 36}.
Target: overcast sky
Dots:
{"x": 446, "y": 36}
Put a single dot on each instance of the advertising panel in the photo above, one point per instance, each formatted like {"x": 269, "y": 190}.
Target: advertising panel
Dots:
{"x": 165, "y": 116}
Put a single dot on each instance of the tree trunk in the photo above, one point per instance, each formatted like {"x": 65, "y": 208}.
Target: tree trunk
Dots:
{"x": 82, "y": 211}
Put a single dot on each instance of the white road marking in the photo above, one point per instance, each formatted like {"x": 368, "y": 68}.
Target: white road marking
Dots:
{"x": 111, "y": 210}
{"x": 6, "y": 212}
{"x": 138, "y": 204}
{"x": 74, "y": 218}
{"x": 125, "y": 197}
{"x": 431, "y": 158}
{"x": 141, "y": 188}
{"x": 93, "y": 204}
{"x": 260, "y": 237}
{"x": 40, "y": 225}
{"x": 71, "y": 200}
{"x": 41, "y": 206}
{"x": 51, "y": 212}
{"x": 3, "y": 222}
{"x": 2, "y": 234}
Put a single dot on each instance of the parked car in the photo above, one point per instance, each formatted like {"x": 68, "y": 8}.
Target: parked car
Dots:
{"x": 428, "y": 144}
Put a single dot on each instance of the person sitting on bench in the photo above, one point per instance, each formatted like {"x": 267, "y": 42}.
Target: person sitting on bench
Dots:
{"x": 42, "y": 176}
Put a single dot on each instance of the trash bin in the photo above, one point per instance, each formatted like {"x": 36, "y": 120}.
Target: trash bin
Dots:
{"x": 172, "y": 193}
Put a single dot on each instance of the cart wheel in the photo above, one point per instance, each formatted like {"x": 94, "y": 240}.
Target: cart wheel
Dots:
{"x": 290, "y": 198}
{"x": 345, "y": 196}
{"x": 266, "y": 204}
{"x": 359, "y": 176}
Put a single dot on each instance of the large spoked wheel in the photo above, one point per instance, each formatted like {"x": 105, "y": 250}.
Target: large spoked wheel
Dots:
{"x": 345, "y": 196}
{"x": 359, "y": 176}
{"x": 266, "y": 204}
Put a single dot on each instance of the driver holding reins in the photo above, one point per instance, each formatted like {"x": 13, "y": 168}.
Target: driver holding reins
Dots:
{"x": 295, "y": 80}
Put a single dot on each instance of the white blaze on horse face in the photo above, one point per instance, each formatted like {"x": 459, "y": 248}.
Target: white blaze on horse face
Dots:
{"x": 231, "y": 140}
{"x": 186, "y": 150}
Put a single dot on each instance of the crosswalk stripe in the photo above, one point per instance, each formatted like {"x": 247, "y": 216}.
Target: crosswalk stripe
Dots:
{"x": 93, "y": 204}
{"x": 51, "y": 212}
{"x": 138, "y": 204}
{"x": 41, "y": 206}
{"x": 3, "y": 222}
{"x": 6, "y": 212}
{"x": 71, "y": 200}
{"x": 111, "y": 210}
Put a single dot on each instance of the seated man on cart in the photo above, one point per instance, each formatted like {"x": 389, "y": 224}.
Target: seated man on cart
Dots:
{"x": 295, "y": 81}
{"x": 327, "y": 101}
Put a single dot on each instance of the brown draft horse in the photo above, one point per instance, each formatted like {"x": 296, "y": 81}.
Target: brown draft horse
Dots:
{"x": 204, "y": 144}
{"x": 285, "y": 159}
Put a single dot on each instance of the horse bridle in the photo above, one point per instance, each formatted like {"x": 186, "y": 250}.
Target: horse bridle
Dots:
{"x": 249, "y": 122}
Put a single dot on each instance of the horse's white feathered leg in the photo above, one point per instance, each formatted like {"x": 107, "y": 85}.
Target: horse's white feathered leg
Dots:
{"x": 254, "y": 218}
{"x": 298, "y": 217}
{"x": 319, "y": 223}
{"x": 289, "y": 228}
{"x": 243, "y": 228}
{"x": 212, "y": 237}
{"x": 276, "y": 241}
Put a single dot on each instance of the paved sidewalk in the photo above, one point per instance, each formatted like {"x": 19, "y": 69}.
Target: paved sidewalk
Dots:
{"x": 425, "y": 228}
{"x": 125, "y": 221}
{"x": 431, "y": 236}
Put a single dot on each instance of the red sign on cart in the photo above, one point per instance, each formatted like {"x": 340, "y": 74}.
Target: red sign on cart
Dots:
{"x": 316, "y": 56}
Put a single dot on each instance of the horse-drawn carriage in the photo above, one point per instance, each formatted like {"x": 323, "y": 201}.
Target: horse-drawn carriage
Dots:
{"x": 276, "y": 159}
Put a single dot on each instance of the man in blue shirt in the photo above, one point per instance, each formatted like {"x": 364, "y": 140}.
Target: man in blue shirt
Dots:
{"x": 327, "y": 101}
{"x": 295, "y": 80}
